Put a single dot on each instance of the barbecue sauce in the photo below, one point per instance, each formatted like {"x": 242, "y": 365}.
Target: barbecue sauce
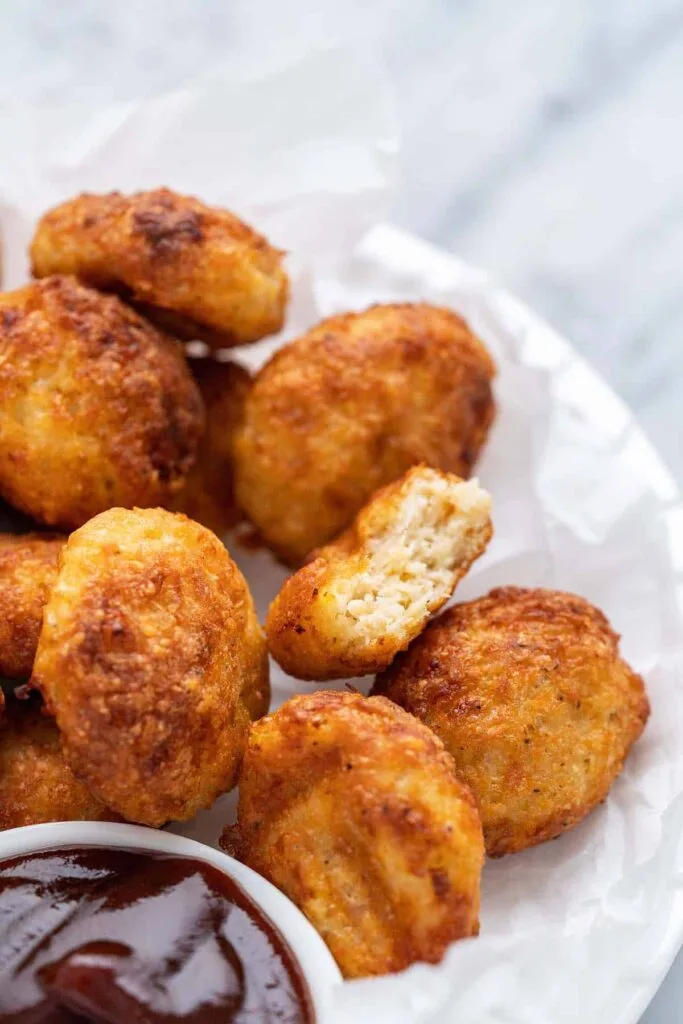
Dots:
{"x": 123, "y": 937}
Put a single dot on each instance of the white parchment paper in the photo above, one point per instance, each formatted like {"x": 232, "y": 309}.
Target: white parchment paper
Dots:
{"x": 581, "y": 929}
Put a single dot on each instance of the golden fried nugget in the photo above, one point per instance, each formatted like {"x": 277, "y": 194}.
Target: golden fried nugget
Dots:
{"x": 36, "y": 784}
{"x": 529, "y": 694}
{"x": 349, "y": 407}
{"x": 28, "y": 568}
{"x": 370, "y": 592}
{"x": 197, "y": 270}
{"x": 97, "y": 407}
{"x": 352, "y": 808}
{"x": 153, "y": 662}
{"x": 208, "y": 495}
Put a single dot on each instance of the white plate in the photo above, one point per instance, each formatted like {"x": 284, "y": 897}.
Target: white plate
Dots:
{"x": 584, "y": 928}
{"x": 581, "y": 929}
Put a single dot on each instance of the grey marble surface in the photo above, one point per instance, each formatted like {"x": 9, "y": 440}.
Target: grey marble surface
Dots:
{"x": 542, "y": 139}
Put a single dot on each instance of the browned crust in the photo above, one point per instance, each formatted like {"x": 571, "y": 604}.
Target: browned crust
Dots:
{"x": 197, "y": 270}
{"x": 36, "y": 784}
{"x": 208, "y": 495}
{"x": 530, "y": 695}
{"x": 97, "y": 407}
{"x": 303, "y": 633}
{"x": 28, "y": 568}
{"x": 350, "y": 406}
{"x": 152, "y": 661}
{"x": 353, "y": 811}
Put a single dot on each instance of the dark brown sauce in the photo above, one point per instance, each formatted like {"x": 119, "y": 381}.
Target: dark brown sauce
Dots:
{"x": 132, "y": 938}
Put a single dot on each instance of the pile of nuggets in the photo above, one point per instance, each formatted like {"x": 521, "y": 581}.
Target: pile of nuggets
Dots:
{"x": 135, "y": 670}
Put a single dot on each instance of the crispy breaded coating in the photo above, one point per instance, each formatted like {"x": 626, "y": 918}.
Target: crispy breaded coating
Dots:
{"x": 153, "y": 662}
{"x": 208, "y": 494}
{"x": 28, "y": 568}
{"x": 351, "y": 808}
{"x": 36, "y": 784}
{"x": 370, "y": 592}
{"x": 97, "y": 407}
{"x": 197, "y": 270}
{"x": 349, "y": 407}
{"x": 529, "y": 694}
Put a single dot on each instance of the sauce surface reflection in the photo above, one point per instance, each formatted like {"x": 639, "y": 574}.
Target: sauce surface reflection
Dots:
{"x": 133, "y": 938}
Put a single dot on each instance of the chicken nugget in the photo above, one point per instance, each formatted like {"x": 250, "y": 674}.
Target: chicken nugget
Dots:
{"x": 348, "y": 408}
{"x": 152, "y": 661}
{"x": 97, "y": 407}
{"x": 208, "y": 494}
{"x": 36, "y": 784}
{"x": 198, "y": 271}
{"x": 528, "y": 692}
{"x": 370, "y": 592}
{"x": 352, "y": 808}
{"x": 28, "y": 568}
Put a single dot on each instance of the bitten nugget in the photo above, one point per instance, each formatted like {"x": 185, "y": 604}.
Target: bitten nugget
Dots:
{"x": 153, "y": 662}
{"x": 208, "y": 495}
{"x": 529, "y": 694}
{"x": 97, "y": 407}
{"x": 28, "y": 568}
{"x": 352, "y": 808}
{"x": 370, "y": 592}
{"x": 36, "y": 784}
{"x": 349, "y": 407}
{"x": 197, "y": 270}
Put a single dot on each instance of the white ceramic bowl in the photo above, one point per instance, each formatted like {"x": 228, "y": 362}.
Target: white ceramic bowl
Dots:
{"x": 316, "y": 962}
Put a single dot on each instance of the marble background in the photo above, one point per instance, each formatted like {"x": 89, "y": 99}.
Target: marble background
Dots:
{"x": 542, "y": 139}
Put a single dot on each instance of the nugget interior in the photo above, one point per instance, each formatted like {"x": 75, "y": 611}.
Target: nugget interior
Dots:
{"x": 438, "y": 529}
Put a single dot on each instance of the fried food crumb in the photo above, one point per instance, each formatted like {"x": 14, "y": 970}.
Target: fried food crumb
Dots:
{"x": 196, "y": 270}
{"x": 28, "y": 568}
{"x": 528, "y": 691}
{"x": 349, "y": 407}
{"x": 36, "y": 784}
{"x": 97, "y": 407}
{"x": 351, "y": 807}
{"x": 153, "y": 663}
{"x": 208, "y": 494}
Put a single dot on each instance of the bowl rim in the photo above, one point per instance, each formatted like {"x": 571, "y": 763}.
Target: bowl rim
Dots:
{"x": 317, "y": 964}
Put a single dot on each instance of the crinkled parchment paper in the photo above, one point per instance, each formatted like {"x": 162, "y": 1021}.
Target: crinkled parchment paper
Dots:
{"x": 583, "y": 928}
